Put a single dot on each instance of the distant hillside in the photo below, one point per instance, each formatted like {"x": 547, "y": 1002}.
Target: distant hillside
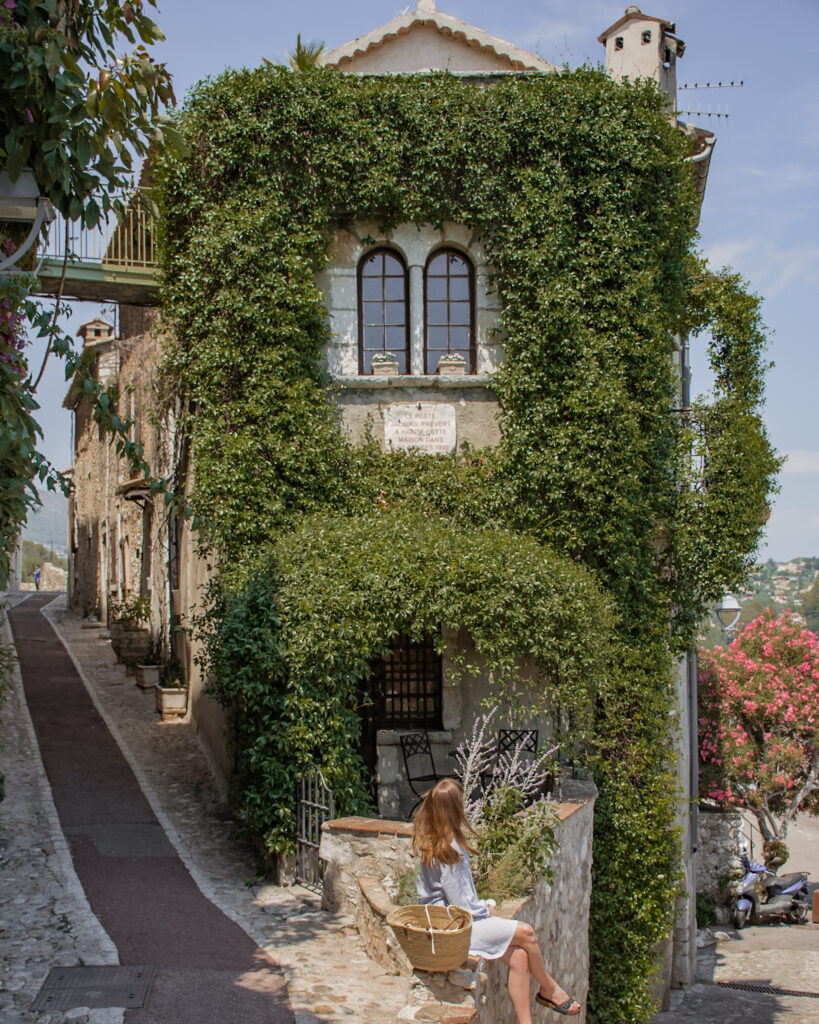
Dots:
{"x": 775, "y": 585}
{"x": 48, "y": 524}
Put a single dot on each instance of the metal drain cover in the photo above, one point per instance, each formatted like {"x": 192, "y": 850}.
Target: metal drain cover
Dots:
{"x": 768, "y": 990}
{"x": 94, "y": 987}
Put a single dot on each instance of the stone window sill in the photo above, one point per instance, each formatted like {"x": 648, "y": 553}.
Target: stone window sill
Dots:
{"x": 459, "y": 380}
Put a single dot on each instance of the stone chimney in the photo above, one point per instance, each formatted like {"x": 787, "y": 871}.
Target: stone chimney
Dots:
{"x": 642, "y": 46}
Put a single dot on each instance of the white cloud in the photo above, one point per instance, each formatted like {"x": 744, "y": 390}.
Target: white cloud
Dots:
{"x": 769, "y": 267}
{"x": 801, "y": 461}
{"x": 730, "y": 252}
{"x": 785, "y": 177}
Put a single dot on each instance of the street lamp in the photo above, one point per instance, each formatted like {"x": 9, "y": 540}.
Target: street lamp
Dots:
{"x": 728, "y": 612}
{"x": 21, "y": 203}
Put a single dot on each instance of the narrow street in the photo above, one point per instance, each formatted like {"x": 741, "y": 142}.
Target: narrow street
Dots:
{"x": 118, "y": 851}
{"x": 207, "y": 968}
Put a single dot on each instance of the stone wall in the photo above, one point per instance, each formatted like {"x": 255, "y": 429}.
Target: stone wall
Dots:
{"x": 717, "y": 851}
{"x": 559, "y": 913}
{"x": 364, "y": 858}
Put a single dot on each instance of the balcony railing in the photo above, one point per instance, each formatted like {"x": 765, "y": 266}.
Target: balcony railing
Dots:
{"x": 120, "y": 241}
{"x": 114, "y": 261}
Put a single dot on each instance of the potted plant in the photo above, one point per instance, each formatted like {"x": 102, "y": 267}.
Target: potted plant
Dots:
{"x": 451, "y": 363}
{"x": 385, "y": 364}
{"x": 147, "y": 671}
{"x": 172, "y": 699}
{"x": 130, "y": 637}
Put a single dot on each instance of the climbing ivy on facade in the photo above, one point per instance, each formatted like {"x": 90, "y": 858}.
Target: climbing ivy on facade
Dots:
{"x": 573, "y": 544}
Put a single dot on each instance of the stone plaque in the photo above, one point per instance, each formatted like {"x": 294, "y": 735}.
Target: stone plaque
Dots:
{"x": 422, "y": 426}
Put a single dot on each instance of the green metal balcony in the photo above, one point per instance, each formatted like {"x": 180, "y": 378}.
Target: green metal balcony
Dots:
{"x": 113, "y": 262}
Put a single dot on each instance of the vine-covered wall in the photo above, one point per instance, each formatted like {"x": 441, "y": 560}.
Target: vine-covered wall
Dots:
{"x": 575, "y": 543}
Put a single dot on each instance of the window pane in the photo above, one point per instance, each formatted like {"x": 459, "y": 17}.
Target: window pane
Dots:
{"x": 437, "y": 338}
{"x": 368, "y": 362}
{"x": 373, "y": 339}
{"x": 437, "y": 313}
{"x": 394, "y": 288}
{"x": 392, "y": 265}
{"x": 432, "y": 361}
{"x": 457, "y": 265}
{"x": 394, "y": 312}
{"x": 437, "y": 265}
{"x": 459, "y": 340}
{"x": 373, "y": 313}
{"x": 459, "y": 288}
{"x": 396, "y": 338}
{"x": 436, "y": 288}
{"x": 374, "y": 265}
{"x": 371, "y": 288}
{"x": 459, "y": 312}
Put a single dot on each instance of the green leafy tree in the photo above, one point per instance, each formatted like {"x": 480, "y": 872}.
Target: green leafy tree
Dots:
{"x": 809, "y": 604}
{"x": 759, "y": 722}
{"x": 79, "y": 112}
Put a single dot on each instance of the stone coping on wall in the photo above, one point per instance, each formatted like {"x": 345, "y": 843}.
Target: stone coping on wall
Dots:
{"x": 387, "y": 828}
{"x": 408, "y": 380}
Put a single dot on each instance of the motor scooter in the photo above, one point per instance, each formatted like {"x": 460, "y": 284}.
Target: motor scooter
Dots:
{"x": 763, "y": 895}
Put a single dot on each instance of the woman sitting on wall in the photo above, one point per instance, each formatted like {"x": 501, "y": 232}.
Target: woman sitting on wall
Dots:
{"x": 445, "y": 877}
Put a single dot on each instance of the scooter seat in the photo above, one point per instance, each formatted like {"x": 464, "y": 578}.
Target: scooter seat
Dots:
{"x": 782, "y": 882}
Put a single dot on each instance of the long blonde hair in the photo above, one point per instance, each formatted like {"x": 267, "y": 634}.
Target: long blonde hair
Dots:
{"x": 440, "y": 819}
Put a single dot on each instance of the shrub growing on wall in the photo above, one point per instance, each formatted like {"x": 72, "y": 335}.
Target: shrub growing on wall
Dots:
{"x": 584, "y": 204}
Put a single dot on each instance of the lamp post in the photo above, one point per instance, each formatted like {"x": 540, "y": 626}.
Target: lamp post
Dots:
{"x": 728, "y": 612}
{"x": 21, "y": 203}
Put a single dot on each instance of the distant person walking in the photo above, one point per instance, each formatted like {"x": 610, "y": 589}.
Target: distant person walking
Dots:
{"x": 37, "y": 574}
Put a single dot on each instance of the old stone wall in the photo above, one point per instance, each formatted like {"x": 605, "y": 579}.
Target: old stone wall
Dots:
{"x": 363, "y": 860}
{"x": 559, "y": 913}
{"x": 718, "y": 851}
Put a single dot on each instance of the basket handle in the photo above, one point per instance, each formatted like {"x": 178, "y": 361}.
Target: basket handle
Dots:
{"x": 429, "y": 930}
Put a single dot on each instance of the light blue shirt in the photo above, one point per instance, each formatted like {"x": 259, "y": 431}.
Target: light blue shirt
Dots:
{"x": 445, "y": 884}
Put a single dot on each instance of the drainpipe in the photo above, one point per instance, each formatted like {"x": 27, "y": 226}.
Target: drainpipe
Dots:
{"x": 691, "y": 656}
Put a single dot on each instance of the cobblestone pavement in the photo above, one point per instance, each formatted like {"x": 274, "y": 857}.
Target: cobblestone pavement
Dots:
{"x": 330, "y": 978}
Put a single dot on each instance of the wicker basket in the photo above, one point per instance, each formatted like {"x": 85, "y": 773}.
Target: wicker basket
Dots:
{"x": 434, "y": 938}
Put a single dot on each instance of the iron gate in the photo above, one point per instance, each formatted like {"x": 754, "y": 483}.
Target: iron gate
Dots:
{"x": 314, "y": 806}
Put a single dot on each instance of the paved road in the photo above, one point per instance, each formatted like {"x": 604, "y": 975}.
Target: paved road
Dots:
{"x": 780, "y": 956}
{"x": 209, "y": 970}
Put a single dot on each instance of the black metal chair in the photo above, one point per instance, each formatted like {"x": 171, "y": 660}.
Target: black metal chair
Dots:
{"x": 526, "y": 739}
{"x": 508, "y": 740}
{"x": 417, "y": 754}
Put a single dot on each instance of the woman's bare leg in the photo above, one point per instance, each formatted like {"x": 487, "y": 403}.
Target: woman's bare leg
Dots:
{"x": 518, "y": 983}
{"x": 525, "y": 939}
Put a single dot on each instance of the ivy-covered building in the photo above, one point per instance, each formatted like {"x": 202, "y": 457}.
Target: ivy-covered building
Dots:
{"x": 419, "y": 399}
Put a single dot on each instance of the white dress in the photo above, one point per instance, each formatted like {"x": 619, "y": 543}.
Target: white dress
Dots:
{"x": 447, "y": 884}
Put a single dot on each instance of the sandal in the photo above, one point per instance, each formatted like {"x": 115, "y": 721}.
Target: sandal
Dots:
{"x": 567, "y": 1008}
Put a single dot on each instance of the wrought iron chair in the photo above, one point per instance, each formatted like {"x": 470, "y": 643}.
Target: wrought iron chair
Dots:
{"x": 508, "y": 739}
{"x": 417, "y": 754}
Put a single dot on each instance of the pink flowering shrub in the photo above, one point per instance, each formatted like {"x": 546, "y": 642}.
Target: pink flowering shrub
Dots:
{"x": 759, "y": 722}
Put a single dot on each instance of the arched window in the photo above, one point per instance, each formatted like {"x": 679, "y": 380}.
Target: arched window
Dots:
{"x": 448, "y": 309}
{"x": 383, "y": 309}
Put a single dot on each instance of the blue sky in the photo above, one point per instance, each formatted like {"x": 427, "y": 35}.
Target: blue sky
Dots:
{"x": 761, "y": 211}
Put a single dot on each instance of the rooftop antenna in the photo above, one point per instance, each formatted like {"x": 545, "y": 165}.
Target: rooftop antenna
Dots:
{"x": 709, "y": 85}
{"x": 715, "y": 85}
{"x": 705, "y": 113}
